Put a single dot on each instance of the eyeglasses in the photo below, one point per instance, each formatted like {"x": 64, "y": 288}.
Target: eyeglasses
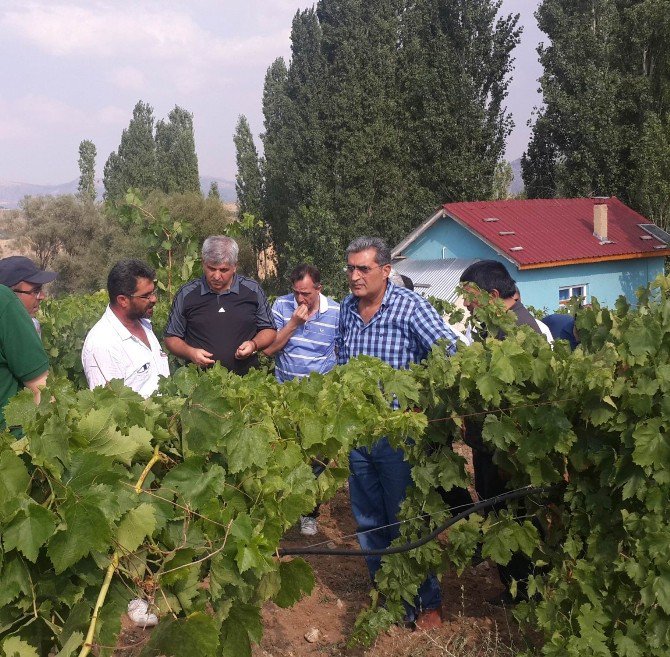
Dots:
{"x": 362, "y": 269}
{"x": 35, "y": 292}
{"x": 146, "y": 296}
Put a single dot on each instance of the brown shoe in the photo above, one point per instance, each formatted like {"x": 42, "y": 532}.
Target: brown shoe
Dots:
{"x": 429, "y": 619}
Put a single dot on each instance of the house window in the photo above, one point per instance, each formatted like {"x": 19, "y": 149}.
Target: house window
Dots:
{"x": 566, "y": 293}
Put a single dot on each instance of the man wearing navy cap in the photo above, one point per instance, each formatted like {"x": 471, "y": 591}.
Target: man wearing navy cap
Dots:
{"x": 23, "y": 361}
{"x": 25, "y": 278}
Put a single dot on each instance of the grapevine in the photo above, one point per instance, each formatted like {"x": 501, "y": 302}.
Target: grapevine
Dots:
{"x": 200, "y": 539}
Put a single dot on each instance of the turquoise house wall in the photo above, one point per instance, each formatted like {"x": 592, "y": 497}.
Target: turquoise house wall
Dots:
{"x": 539, "y": 287}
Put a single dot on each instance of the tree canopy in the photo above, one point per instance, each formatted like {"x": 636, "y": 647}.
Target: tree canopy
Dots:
{"x": 605, "y": 125}
{"x": 387, "y": 109}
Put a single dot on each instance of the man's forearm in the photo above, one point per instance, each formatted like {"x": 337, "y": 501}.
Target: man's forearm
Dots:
{"x": 179, "y": 348}
{"x": 281, "y": 339}
{"x": 264, "y": 338}
{"x": 35, "y": 385}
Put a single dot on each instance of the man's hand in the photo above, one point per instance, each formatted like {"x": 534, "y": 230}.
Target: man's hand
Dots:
{"x": 201, "y": 357}
{"x": 246, "y": 349}
{"x": 300, "y": 316}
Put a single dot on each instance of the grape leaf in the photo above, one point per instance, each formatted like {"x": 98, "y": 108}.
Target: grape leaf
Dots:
{"x": 86, "y": 530}
{"x": 15, "y": 647}
{"x": 194, "y": 636}
{"x": 135, "y": 526}
{"x": 297, "y": 579}
{"x": 29, "y": 531}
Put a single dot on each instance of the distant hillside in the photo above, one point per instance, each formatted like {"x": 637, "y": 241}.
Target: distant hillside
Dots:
{"x": 12, "y": 192}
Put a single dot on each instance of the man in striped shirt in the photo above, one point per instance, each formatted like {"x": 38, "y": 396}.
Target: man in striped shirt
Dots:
{"x": 307, "y": 324}
{"x": 398, "y": 326}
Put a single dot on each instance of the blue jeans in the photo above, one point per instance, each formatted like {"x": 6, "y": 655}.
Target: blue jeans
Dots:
{"x": 377, "y": 484}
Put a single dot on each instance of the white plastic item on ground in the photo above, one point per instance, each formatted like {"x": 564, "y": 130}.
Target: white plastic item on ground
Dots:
{"x": 308, "y": 526}
{"x": 138, "y": 612}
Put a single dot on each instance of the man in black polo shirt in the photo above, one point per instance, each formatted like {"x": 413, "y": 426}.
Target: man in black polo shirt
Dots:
{"x": 222, "y": 316}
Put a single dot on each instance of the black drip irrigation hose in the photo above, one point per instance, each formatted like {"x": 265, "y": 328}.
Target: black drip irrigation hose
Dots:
{"x": 478, "y": 506}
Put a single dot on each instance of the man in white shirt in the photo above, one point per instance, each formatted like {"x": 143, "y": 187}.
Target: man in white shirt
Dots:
{"x": 122, "y": 344}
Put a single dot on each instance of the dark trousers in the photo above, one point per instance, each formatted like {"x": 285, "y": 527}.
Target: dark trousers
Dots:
{"x": 489, "y": 483}
{"x": 377, "y": 485}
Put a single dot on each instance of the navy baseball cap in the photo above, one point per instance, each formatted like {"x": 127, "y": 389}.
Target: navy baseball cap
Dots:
{"x": 15, "y": 269}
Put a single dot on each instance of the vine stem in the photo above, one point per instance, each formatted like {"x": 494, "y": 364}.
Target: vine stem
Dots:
{"x": 111, "y": 569}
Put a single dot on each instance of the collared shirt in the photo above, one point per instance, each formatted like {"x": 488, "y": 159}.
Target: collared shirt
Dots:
{"x": 111, "y": 351}
{"x": 220, "y": 323}
{"x": 311, "y": 348}
{"x": 401, "y": 332}
{"x": 562, "y": 327}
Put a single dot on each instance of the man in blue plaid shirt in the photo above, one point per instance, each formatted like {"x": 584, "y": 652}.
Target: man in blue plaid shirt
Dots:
{"x": 398, "y": 326}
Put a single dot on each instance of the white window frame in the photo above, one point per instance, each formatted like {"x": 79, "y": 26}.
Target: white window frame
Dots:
{"x": 571, "y": 292}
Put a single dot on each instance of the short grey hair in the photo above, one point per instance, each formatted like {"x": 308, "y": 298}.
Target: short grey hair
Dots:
{"x": 220, "y": 249}
{"x": 382, "y": 251}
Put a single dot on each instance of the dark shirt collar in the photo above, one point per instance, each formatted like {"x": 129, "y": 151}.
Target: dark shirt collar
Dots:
{"x": 234, "y": 286}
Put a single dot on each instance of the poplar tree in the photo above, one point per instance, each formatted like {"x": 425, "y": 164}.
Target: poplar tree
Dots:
{"x": 214, "y": 190}
{"x": 277, "y": 147}
{"x": 134, "y": 163}
{"x": 176, "y": 159}
{"x": 86, "y": 186}
{"x": 248, "y": 180}
{"x": 363, "y": 117}
{"x": 605, "y": 125}
{"x": 455, "y": 71}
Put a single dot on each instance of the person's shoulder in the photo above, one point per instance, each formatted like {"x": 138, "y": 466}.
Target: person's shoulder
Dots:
{"x": 99, "y": 333}
{"x": 6, "y": 293}
{"x": 249, "y": 283}
{"x": 332, "y": 304}
{"x": 7, "y": 297}
{"x": 348, "y": 302}
{"x": 187, "y": 288}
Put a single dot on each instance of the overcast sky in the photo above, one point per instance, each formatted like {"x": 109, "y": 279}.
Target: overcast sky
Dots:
{"x": 73, "y": 70}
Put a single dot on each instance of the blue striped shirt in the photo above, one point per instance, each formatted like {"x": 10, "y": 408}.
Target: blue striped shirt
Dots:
{"x": 311, "y": 348}
{"x": 401, "y": 332}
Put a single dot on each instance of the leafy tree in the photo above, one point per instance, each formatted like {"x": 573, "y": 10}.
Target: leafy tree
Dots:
{"x": 249, "y": 184}
{"x": 502, "y": 179}
{"x": 539, "y": 162}
{"x": 176, "y": 159}
{"x": 362, "y": 117}
{"x": 248, "y": 181}
{"x": 214, "y": 190}
{"x": 87, "y": 153}
{"x": 134, "y": 163}
{"x": 387, "y": 109}
{"x": 455, "y": 71}
{"x": 278, "y": 150}
{"x": 606, "y": 88}
{"x": 652, "y": 158}
{"x": 73, "y": 236}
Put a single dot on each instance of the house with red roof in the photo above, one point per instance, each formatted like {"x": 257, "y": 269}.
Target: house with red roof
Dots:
{"x": 554, "y": 248}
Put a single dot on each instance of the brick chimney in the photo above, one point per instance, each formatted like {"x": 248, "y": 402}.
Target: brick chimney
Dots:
{"x": 600, "y": 217}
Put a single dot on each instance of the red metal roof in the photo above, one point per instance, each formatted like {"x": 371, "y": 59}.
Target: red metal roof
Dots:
{"x": 556, "y": 231}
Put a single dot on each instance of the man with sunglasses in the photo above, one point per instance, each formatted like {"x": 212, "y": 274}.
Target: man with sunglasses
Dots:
{"x": 122, "y": 344}
{"x": 23, "y": 361}
{"x": 398, "y": 326}
{"x": 307, "y": 324}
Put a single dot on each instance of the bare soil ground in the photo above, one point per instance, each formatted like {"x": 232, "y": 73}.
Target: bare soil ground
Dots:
{"x": 472, "y": 627}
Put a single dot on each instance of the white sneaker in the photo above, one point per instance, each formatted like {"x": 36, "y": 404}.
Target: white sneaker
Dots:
{"x": 308, "y": 526}
{"x": 138, "y": 612}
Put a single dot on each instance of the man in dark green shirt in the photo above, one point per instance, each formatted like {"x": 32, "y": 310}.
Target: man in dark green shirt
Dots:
{"x": 23, "y": 361}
